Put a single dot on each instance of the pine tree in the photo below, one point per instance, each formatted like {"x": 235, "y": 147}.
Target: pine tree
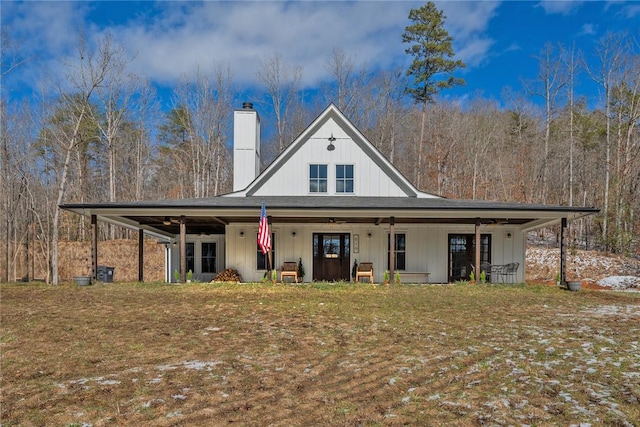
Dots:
{"x": 432, "y": 68}
{"x": 431, "y": 49}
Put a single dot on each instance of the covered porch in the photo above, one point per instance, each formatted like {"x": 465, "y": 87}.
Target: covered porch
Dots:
{"x": 424, "y": 231}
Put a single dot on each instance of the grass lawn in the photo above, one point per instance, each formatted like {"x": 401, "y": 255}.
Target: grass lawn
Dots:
{"x": 322, "y": 355}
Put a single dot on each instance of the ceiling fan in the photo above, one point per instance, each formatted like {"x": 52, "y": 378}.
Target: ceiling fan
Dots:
{"x": 164, "y": 221}
{"x": 336, "y": 221}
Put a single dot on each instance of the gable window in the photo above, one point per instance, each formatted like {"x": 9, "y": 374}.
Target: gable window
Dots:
{"x": 317, "y": 178}
{"x": 261, "y": 259}
{"x": 344, "y": 178}
{"x": 208, "y": 257}
{"x": 400, "y": 251}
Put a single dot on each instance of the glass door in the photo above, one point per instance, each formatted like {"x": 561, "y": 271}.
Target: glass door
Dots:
{"x": 462, "y": 254}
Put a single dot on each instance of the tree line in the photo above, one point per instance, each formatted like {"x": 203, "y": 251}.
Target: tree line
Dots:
{"x": 102, "y": 134}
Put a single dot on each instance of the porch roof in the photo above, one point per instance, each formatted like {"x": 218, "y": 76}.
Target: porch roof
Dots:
{"x": 210, "y": 215}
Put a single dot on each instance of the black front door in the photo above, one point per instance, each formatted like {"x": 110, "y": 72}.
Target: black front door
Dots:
{"x": 331, "y": 256}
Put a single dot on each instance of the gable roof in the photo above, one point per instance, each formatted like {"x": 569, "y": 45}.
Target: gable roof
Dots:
{"x": 333, "y": 113}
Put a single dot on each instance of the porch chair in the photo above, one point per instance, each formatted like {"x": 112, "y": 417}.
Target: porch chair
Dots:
{"x": 509, "y": 271}
{"x": 289, "y": 268}
{"x": 365, "y": 269}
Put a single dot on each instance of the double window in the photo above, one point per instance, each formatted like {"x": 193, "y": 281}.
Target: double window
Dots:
{"x": 318, "y": 179}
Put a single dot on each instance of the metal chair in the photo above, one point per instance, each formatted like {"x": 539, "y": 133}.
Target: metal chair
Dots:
{"x": 509, "y": 271}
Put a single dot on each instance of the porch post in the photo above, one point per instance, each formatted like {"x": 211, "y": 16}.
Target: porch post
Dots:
{"x": 477, "y": 270}
{"x": 269, "y": 252}
{"x": 563, "y": 251}
{"x": 94, "y": 247}
{"x": 183, "y": 249}
{"x": 140, "y": 255}
{"x": 392, "y": 248}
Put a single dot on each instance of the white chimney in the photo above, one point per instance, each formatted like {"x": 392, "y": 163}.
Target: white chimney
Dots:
{"x": 246, "y": 146}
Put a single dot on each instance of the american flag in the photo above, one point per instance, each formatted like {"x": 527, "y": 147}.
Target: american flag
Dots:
{"x": 264, "y": 237}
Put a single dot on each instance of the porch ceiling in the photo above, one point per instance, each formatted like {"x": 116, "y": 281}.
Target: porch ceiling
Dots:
{"x": 216, "y": 225}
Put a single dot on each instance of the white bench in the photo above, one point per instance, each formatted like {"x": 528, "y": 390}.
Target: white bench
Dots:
{"x": 414, "y": 276}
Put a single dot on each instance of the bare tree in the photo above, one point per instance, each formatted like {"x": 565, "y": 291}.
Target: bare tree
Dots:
{"x": 114, "y": 99}
{"x": 386, "y": 110}
{"x": 551, "y": 80}
{"x": 348, "y": 86}
{"x": 610, "y": 52}
{"x": 195, "y": 133}
{"x": 571, "y": 60}
{"x": 282, "y": 82}
{"x": 84, "y": 77}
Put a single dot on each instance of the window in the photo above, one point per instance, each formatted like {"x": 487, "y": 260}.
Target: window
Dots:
{"x": 208, "y": 257}
{"x": 400, "y": 252}
{"x": 344, "y": 178}
{"x": 190, "y": 254}
{"x": 261, "y": 259}
{"x": 317, "y": 178}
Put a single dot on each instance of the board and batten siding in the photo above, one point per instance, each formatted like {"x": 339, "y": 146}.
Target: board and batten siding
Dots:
{"x": 292, "y": 179}
{"x": 427, "y": 248}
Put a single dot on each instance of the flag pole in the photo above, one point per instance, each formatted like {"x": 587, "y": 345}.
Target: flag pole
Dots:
{"x": 269, "y": 261}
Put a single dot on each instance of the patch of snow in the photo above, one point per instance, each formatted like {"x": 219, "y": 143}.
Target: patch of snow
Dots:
{"x": 620, "y": 282}
{"x": 108, "y": 382}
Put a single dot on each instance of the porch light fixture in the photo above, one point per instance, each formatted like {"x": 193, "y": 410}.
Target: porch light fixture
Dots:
{"x": 241, "y": 234}
{"x": 293, "y": 234}
{"x": 167, "y": 220}
{"x": 508, "y": 235}
{"x": 369, "y": 234}
{"x": 331, "y": 139}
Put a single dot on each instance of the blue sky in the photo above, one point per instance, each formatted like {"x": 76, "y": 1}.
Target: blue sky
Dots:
{"x": 497, "y": 40}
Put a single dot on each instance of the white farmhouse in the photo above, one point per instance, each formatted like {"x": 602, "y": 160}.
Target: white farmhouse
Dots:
{"x": 332, "y": 200}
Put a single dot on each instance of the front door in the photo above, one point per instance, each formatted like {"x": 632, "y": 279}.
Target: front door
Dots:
{"x": 462, "y": 254}
{"x": 331, "y": 256}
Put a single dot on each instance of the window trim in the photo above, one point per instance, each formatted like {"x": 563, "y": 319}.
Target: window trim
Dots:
{"x": 396, "y": 251}
{"x": 345, "y": 179}
{"x": 260, "y": 254}
{"x": 215, "y": 257}
{"x": 319, "y": 179}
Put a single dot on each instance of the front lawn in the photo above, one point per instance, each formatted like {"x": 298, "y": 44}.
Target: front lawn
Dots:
{"x": 323, "y": 355}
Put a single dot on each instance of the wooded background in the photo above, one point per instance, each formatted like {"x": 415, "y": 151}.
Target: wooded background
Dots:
{"x": 104, "y": 134}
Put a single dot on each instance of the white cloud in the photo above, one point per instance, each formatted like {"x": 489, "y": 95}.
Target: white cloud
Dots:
{"x": 41, "y": 34}
{"x": 240, "y": 33}
{"x": 565, "y": 7}
{"x": 467, "y": 22}
{"x": 170, "y": 39}
{"x": 587, "y": 30}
